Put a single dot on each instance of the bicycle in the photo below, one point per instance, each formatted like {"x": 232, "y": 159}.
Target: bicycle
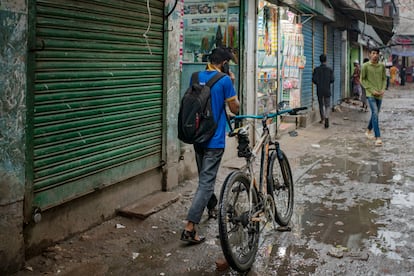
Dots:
{"x": 245, "y": 203}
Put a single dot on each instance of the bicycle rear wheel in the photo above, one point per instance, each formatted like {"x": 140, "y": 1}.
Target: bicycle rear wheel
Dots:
{"x": 280, "y": 187}
{"x": 239, "y": 235}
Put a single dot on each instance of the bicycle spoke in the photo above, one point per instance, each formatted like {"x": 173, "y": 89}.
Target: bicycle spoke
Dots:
{"x": 238, "y": 233}
{"x": 246, "y": 209}
{"x": 280, "y": 186}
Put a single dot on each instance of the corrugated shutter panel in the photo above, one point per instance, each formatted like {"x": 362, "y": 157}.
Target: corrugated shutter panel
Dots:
{"x": 317, "y": 46}
{"x": 98, "y": 95}
{"x": 337, "y": 67}
{"x": 330, "y": 57}
{"x": 306, "y": 96}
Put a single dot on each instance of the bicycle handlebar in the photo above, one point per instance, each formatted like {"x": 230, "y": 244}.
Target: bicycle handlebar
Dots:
{"x": 291, "y": 111}
{"x": 264, "y": 117}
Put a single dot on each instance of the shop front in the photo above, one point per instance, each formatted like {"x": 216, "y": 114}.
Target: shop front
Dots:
{"x": 207, "y": 25}
{"x": 288, "y": 40}
{"x": 291, "y": 36}
{"x": 280, "y": 57}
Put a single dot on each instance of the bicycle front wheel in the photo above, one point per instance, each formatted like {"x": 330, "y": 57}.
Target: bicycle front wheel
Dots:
{"x": 280, "y": 187}
{"x": 239, "y": 235}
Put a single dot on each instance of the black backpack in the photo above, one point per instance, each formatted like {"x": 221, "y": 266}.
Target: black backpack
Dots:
{"x": 196, "y": 122}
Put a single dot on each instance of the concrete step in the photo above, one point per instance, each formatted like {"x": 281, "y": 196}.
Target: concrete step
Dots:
{"x": 149, "y": 205}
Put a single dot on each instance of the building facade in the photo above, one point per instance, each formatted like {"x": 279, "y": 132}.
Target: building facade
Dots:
{"x": 90, "y": 96}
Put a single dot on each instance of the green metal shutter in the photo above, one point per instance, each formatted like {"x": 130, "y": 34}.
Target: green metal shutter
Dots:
{"x": 97, "y": 95}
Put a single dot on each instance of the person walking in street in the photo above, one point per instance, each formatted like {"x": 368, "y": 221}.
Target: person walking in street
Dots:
{"x": 209, "y": 154}
{"x": 364, "y": 93}
{"x": 393, "y": 75}
{"x": 356, "y": 83}
{"x": 374, "y": 81}
{"x": 403, "y": 75}
{"x": 323, "y": 77}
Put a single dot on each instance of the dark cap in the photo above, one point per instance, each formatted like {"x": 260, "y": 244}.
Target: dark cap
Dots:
{"x": 218, "y": 55}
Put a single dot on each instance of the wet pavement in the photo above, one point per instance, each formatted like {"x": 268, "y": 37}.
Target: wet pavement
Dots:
{"x": 353, "y": 212}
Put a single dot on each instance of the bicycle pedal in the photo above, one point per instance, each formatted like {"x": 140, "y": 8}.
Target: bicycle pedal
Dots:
{"x": 259, "y": 218}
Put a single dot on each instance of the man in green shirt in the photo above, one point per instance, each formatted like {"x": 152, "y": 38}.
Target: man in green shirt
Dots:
{"x": 374, "y": 80}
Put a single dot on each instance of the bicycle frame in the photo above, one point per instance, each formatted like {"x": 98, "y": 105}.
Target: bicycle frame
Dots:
{"x": 263, "y": 146}
{"x": 247, "y": 205}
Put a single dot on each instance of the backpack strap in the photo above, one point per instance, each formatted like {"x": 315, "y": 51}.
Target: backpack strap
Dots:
{"x": 194, "y": 78}
{"x": 215, "y": 78}
{"x": 211, "y": 82}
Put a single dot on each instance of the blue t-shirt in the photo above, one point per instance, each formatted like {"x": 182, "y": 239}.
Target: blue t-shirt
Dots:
{"x": 221, "y": 91}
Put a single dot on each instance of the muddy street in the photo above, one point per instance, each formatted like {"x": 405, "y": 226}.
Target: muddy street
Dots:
{"x": 353, "y": 212}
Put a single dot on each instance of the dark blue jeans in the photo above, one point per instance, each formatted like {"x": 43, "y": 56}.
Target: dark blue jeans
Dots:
{"x": 375, "y": 106}
{"x": 324, "y": 107}
{"x": 208, "y": 163}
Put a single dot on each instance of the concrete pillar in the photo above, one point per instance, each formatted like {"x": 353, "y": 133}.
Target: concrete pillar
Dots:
{"x": 173, "y": 167}
{"x": 13, "y": 56}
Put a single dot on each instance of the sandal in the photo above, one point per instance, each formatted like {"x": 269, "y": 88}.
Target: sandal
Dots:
{"x": 369, "y": 135}
{"x": 189, "y": 236}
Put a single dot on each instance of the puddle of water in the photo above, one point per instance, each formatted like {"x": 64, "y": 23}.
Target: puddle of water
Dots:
{"x": 365, "y": 171}
{"x": 314, "y": 223}
{"x": 275, "y": 258}
{"x": 302, "y": 161}
{"x": 299, "y": 260}
{"x": 331, "y": 226}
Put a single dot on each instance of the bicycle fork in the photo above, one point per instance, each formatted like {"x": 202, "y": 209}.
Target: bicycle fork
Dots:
{"x": 279, "y": 156}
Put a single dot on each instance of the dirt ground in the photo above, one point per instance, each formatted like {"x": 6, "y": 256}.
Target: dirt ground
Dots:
{"x": 353, "y": 212}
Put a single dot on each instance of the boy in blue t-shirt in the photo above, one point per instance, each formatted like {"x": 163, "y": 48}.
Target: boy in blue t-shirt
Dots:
{"x": 208, "y": 155}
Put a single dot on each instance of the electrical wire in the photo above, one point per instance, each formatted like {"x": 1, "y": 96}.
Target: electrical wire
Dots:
{"x": 173, "y": 8}
{"x": 145, "y": 35}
